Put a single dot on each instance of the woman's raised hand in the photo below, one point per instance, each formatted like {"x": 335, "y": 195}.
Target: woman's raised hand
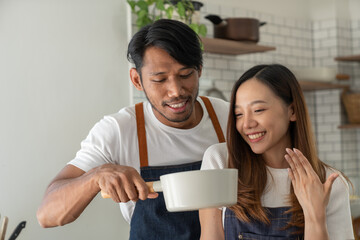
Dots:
{"x": 312, "y": 194}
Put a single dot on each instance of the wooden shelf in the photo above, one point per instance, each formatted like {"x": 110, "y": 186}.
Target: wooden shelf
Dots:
{"x": 351, "y": 58}
{"x": 311, "y": 85}
{"x": 350, "y": 125}
{"x": 223, "y": 46}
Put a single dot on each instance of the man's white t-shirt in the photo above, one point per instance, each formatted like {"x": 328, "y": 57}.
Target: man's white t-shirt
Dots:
{"x": 114, "y": 140}
{"x": 338, "y": 216}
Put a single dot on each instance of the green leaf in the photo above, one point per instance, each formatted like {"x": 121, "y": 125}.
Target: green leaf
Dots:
{"x": 143, "y": 5}
{"x": 150, "y": 2}
{"x": 194, "y": 27}
{"x": 202, "y": 30}
{"x": 148, "y": 21}
{"x": 160, "y": 5}
{"x": 189, "y": 6}
{"x": 181, "y": 9}
{"x": 143, "y": 21}
{"x": 169, "y": 12}
{"x": 132, "y": 4}
{"x": 201, "y": 45}
{"x": 142, "y": 14}
{"x": 139, "y": 22}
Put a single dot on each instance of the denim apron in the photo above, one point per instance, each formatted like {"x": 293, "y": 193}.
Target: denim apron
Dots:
{"x": 257, "y": 230}
{"x": 150, "y": 219}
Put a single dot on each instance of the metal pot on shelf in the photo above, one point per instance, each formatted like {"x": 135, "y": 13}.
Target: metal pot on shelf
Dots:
{"x": 238, "y": 29}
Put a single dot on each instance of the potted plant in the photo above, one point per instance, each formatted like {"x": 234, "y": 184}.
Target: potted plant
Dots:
{"x": 148, "y": 11}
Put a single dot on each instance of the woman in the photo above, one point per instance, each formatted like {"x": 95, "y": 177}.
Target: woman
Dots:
{"x": 284, "y": 190}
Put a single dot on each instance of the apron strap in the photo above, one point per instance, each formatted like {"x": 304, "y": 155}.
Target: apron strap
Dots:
{"x": 141, "y": 133}
{"x": 213, "y": 118}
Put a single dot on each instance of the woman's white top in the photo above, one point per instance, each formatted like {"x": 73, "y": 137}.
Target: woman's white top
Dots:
{"x": 338, "y": 216}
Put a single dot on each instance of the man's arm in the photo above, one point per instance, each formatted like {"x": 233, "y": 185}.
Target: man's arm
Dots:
{"x": 66, "y": 197}
{"x": 73, "y": 189}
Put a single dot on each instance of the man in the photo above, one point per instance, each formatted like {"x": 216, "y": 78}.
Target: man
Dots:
{"x": 168, "y": 133}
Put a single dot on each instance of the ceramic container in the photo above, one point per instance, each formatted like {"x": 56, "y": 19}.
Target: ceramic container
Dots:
{"x": 192, "y": 190}
{"x": 321, "y": 74}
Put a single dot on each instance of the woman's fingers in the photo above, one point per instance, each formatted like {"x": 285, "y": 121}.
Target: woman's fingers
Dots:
{"x": 311, "y": 193}
{"x": 295, "y": 164}
{"x": 291, "y": 175}
{"x": 329, "y": 182}
{"x": 328, "y": 185}
{"x": 304, "y": 162}
{"x": 292, "y": 170}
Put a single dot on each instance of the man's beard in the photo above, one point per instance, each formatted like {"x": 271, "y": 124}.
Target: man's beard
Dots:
{"x": 175, "y": 120}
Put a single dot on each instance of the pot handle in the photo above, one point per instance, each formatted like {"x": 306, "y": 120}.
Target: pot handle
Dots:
{"x": 262, "y": 24}
{"x": 153, "y": 187}
{"x": 156, "y": 186}
{"x": 215, "y": 19}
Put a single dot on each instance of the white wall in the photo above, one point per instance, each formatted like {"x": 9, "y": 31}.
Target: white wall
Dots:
{"x": 305, "y": 9}
{"x": 330, "y": 9}
{"x": 293, "y": 8}
{"x": 354, "y": 6}
{"x": 62, "y": 67}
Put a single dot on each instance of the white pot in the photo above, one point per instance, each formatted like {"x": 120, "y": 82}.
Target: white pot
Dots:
{"x": 192, "y": 190}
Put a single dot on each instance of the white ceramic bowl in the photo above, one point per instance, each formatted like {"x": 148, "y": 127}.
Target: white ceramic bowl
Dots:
{"x": 324, "y": 74}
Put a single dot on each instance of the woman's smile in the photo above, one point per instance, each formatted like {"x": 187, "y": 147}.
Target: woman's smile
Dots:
{"x": 256, "y": 137}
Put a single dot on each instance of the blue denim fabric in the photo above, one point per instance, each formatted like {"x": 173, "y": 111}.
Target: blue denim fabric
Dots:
{"x": 236, "y": 229}
{"x": 151, "y": 220}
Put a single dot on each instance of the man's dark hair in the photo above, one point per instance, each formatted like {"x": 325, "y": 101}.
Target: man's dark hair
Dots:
{"x": 175, "y": 37}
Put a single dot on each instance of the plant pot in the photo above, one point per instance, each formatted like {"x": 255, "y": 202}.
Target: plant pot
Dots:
{"x": 197, "y": 5}
{"x": 195, "y": 18}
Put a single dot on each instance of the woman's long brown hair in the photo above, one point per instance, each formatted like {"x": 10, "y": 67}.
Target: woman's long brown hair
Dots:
{"x": 251, "y": 166}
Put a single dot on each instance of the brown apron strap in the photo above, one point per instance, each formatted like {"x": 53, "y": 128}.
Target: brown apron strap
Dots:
{"x": 213, "y": 118}
{"x": 141, "y": 133}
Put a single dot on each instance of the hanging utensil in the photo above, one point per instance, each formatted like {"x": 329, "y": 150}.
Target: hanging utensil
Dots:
{"x": 17, "y": 230}
{"x": 3, "y": 228}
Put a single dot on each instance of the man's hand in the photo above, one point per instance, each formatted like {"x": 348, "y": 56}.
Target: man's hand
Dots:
{"x": 72, "y": 190}
{"x": 122, "y": 183}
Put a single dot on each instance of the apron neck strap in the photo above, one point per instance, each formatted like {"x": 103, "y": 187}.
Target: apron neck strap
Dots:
{"x": 213, "y": 118}
{"x": 141, "y": 133}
